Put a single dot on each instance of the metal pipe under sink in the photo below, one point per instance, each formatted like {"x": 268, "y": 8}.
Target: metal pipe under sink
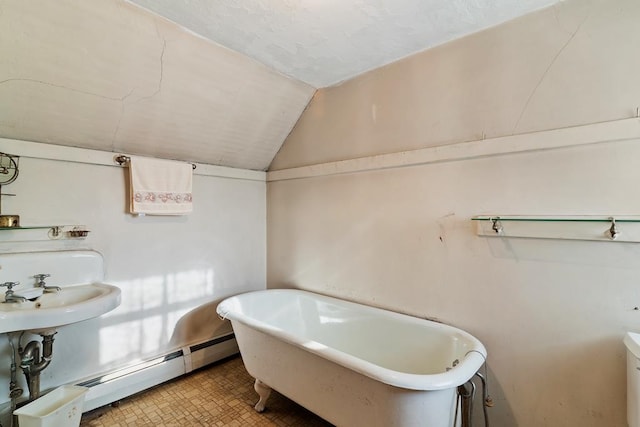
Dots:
{"x": 32, "y": 364}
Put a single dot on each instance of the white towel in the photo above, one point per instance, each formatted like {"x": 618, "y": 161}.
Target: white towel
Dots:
{"x": 160, "y": 187}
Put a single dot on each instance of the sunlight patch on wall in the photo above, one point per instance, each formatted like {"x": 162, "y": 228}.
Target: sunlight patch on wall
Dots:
{"x": 150, "y": 310}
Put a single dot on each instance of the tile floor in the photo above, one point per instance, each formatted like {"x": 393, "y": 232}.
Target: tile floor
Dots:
{"x": 219, "y": 395}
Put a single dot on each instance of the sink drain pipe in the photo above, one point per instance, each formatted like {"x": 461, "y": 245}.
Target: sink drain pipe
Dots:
{"x": 32, "y": 364}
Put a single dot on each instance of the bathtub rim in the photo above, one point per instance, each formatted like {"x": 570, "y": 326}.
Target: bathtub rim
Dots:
{"x": 460, "y": 374}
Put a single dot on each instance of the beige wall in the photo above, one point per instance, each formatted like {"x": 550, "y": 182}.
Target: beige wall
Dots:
{"x": 551, "y": 313}
{"x": 572, "y": 64}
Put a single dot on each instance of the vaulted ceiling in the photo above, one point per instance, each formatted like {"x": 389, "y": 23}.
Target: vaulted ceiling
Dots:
{"x": 211, "y": 81}
{"x": 324, "y": 42}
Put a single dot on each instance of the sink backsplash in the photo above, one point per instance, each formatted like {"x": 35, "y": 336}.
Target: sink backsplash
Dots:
{"x": 65, "y": 267}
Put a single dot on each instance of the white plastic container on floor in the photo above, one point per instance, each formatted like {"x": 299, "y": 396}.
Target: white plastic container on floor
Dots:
{"x": 61, "y": 407}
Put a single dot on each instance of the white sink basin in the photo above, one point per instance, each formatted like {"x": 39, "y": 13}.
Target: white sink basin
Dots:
{"x": 68, "y": 305}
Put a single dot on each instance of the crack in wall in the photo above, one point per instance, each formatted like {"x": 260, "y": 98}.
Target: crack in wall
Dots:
{"x": 121, "y": 99}
{"x": 546, "y": 71}
{"x": 84, "y": 92}
{"x": 157, "y": 91}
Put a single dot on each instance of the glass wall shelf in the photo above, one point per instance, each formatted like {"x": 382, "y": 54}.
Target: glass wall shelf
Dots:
{"x": 42, "y": 232}
{"x": 557, "y": 218}
{"x": 587, "y": 227}
{"x": 34, "y": 227}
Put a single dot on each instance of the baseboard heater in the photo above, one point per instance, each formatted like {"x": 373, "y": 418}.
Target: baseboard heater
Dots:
{"x": 116, "y": 385}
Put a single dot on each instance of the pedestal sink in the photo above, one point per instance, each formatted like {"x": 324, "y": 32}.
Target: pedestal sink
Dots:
{"x": 70, "y": 304}
{"x": 74, "y": 291}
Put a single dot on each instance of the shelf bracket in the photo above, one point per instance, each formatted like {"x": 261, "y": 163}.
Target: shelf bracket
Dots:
{"x": 613, "y": 230}
{"x": 496, "y": 225}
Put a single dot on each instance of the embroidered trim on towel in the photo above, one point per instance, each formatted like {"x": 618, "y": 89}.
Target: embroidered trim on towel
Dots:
{"x": 153, "y": 197}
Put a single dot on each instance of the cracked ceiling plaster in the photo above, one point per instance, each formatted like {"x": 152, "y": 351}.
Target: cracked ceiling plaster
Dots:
{"x": 324, "y": 42}
{"x": 111, "y": 76}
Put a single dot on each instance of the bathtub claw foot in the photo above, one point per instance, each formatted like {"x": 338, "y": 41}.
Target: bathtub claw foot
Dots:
{"x": 263, "y": 391}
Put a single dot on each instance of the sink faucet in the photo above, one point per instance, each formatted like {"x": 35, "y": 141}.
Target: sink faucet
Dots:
{"x": 41, "y": 284}
{"x": 9, "y": 296}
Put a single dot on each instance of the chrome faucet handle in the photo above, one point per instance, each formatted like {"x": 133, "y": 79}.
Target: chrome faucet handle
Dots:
{"x": 40, "y": 279}
{"x": 9, "y": 285}
{"x": 41, "y": 284}
{"x": 9, "y": 295}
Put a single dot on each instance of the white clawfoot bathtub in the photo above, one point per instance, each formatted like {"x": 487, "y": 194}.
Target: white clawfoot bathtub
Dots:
{"x": 349, "y": 363}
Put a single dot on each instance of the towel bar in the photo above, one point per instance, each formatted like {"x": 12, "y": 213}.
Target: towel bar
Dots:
{"x": 122, "y": 160}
